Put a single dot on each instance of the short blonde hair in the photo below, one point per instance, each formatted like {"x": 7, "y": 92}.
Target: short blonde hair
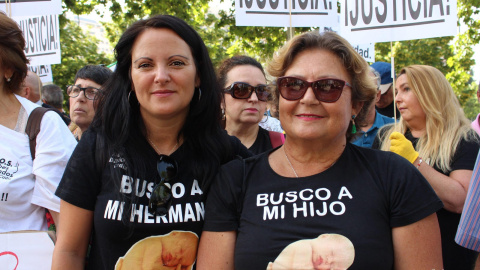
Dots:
{"x": 363, "y": 87}
{"x": 446, "y": 124}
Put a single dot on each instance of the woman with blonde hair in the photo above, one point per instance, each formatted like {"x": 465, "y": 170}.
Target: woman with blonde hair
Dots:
{"x": 318, "y": 182}
{"x": 435, "y": 136}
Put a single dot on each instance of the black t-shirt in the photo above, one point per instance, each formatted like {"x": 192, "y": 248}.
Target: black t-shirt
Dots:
{"x": 112, "y": 237}
{"x": 362, "y": 196}
{"x": 455, "y": 257}
{"x": 262, "y": 142}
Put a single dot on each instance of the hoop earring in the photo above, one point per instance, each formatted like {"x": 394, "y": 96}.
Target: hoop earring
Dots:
{"x": 199, "y": 93}
{"x": 223, "y": 114}
{"x": 354, "y": 128}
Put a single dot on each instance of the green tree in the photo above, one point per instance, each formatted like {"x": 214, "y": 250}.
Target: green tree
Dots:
{"x": 77, "y": 50}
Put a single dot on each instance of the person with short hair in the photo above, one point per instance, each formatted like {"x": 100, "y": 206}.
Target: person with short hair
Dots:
{"x": 434, "y": 135}
{"x": 374, "y": 120}
{"x": 83, "y": 93}
{"x": 384, "y": 105}
{"x": 31, "y": 87}
{"x": 318, "y": 182}
{"x": 52, "y": 98}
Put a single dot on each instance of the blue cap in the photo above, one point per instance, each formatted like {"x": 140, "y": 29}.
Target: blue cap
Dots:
{"x": 385, "y": 74}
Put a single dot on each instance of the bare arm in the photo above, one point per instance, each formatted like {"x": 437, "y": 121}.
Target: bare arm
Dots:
{"x": 452, "y": 189}
{"x": 418, "y": 245}
{"x": 216, "y": 250}
{"x": 72, "y": 237}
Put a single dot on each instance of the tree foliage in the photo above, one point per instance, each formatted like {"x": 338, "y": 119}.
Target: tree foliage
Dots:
{"x": 77, "y": 50}
{"x": 451, "y": 55}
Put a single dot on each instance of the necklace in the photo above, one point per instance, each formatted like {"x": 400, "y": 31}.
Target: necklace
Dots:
{"x": 156, "y": 149}
{"x": 291, "y": 166}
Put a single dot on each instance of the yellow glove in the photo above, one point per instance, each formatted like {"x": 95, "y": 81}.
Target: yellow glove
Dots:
{"x": 400, "y": 145}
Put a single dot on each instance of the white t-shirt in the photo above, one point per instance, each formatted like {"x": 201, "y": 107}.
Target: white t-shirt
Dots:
{"x": 26, "y": 186}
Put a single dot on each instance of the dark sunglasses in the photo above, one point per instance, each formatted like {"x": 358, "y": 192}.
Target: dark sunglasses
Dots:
{"x": 325, "y": 90}
{"x": 240, "y": 90}
{"x": 161, "y": 197}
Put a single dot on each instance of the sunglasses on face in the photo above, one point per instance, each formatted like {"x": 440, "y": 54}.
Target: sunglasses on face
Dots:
{"x": 161, "y": 198}
{"x": 325, "y": 90}
{"x": 240, "y": 90}
{"x": 90, "y": 92}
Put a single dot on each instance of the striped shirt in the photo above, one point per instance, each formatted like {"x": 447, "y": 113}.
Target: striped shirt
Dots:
{"x": 468, "y": 232}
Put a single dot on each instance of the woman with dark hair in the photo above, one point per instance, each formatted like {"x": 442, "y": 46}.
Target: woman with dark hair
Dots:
{"x": 318, "y": 183}
{"x": 245, "y": 97}
{"x": 150, "y": 155}
{"x": 27, "y": 179}
{"x": 89, "y": 79}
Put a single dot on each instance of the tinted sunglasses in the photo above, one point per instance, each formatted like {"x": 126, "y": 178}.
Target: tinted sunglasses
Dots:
{"x": 161, "y": 197}
{"x": 240, "y": 90}
{"x": 325, "y": 90}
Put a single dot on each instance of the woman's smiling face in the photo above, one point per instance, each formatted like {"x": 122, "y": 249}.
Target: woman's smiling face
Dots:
{"x": 164, "y": 74}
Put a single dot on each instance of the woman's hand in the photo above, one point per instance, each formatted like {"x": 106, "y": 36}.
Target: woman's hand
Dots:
{"x": 402, "y": 146}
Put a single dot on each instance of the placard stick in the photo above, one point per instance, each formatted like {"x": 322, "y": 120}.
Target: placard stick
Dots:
{"x": 392, "y": 73}
{"x": 8, "y": 8}
{"x": 290, "y": 29}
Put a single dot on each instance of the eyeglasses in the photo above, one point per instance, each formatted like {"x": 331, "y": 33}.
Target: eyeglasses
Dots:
{"x": 240, "y": 90}
{"x": 161, "y": 197}
{"x": 325, "y": 90}
{"x": 89, "y": 92}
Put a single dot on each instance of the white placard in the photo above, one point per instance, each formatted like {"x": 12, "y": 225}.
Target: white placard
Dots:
{"x": 285, "y": 13}
{"x": 26, "y": 251}
{"x": 21, "y": 8}
{"x": 42, "y": 39}
{"x": 43, "y": 71}
{"x": 365, "y": 21}
{"x": 367, "y": 51}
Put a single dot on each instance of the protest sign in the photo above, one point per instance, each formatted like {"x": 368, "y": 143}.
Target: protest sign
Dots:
{"x": 42, "y": 38}
{"x": 286, "y": 13}
{"x": 22, "y": 8}
{"x": 44, "y": 72}
{"x": 365, "y": 21}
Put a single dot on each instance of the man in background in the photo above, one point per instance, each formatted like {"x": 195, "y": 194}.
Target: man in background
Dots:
{"x": 385, "y": 104}
{"x": 31, "y": 88}
{"x": 52, "y": 98}
{"x": 374, "y": 120}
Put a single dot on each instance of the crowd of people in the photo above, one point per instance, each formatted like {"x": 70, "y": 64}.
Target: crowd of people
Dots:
{"x": 166, "y": 162}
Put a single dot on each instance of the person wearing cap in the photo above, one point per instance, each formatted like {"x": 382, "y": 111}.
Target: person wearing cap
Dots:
{"x": 373, "y": 119}
{"x": 385, "y": 105}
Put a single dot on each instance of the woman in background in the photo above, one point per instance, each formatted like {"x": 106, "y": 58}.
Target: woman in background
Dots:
{"x": 89, "y": 79}
{"x": 435, "y": 136}
{"x": 245, "y": 99}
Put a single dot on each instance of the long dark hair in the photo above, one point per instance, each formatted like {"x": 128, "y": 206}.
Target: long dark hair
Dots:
{"x": 118, "y": 116}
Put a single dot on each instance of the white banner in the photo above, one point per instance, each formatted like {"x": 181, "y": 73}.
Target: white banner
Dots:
{"x": 286, "y": 13}
{"x": 43, "y": 71}
{"x": 365, "y": 21}
{"x": 367, "y": 51}
{"x": 42, "y": 39}
{"x": 21, "y": 8}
